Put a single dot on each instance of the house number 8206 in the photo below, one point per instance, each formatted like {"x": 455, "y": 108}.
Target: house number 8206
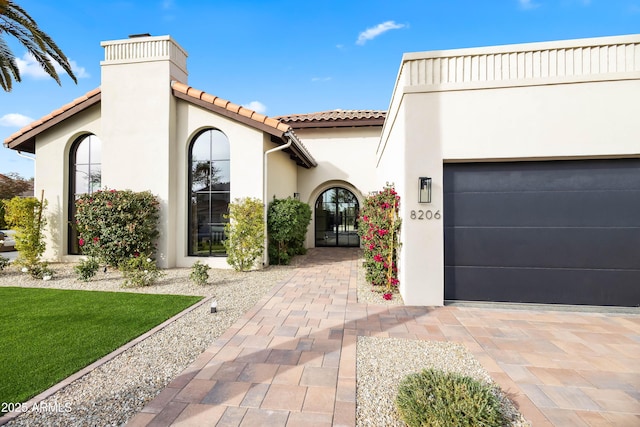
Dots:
{"x": 420, "y": 214}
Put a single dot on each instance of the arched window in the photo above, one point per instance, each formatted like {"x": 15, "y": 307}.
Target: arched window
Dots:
{"x": 85, "y": 177}
{"x": 209, "y": 188}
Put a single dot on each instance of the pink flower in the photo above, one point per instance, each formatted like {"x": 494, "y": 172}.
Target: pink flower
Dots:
{"x": 378, "y": 258}
{"x": 387, "y": 296}
{"x": 365, "y": 218}
{"x": 136, "y": 254}
{"x": 385, "y": 205}
{"x": 393, "y": 281}
{"x": 95, "y": 239}
{"x": 81, "y": 241}
{"x": 372, "y": 247}
{"x": 382, "y": 232}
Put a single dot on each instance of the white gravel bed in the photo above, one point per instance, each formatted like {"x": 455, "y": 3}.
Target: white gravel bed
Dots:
{"x": 113, "y": 393}
{"x": 382, "y": 363}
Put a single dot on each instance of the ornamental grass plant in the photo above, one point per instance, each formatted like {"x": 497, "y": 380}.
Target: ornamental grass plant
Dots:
{"x": 440, "y": 399}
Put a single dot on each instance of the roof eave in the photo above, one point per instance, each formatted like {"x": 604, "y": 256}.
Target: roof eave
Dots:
{"x": 27, "y": 141}
{"x": 297, "y": 150}
{"x": 339, "y": 123}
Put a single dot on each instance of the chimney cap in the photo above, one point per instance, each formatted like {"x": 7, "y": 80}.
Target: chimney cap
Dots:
{"x": 133, "y": 36}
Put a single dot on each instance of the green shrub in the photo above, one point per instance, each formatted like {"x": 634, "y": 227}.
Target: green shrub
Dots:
{"x": 26, "y": 216}
{"x": 287, "y": 222}
{"x": 379, "y": 227}
{"x": 87, "y": 268}
{"x": 4, "y": 262}
{"x": 114, "y": 226}
{"x": 199, "y": 273}
{"x": 41, "y": 270}
{"x": 436, "y": 398}
{"x": 245, "y": 233}
{"x": 140, "y": 271}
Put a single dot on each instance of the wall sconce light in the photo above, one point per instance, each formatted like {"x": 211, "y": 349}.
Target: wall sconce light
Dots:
{"x": 296, "y": 196}
{"x": 424, "y": 196}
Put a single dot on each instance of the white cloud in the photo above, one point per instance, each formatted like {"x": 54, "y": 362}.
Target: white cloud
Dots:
{"x": 320, "y": 79}
{"x": 15, "y": 120}
{"x": 28, "y": 66}
{"x": 373, "y": 32}
{"x": 167, "y": 4}
{"x": 528, "y": 4}
{"x": 256, "y": 106}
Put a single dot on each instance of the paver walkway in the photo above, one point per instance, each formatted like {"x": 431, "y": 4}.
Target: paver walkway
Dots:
{"x": 291, "y": 360}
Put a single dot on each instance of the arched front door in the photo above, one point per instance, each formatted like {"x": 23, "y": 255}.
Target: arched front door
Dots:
{"x": 336, "y": 215}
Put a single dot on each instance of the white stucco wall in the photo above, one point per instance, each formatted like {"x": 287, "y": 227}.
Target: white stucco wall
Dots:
{"x": 138, "y": 116}
{"x": 52, "y": 176}
{"x": 542, "y": 101}
{"x": 246, "y": 148}
{"x": 346, "y": 158}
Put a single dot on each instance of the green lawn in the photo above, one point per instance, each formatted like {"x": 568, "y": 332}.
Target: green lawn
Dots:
{"x": 48, "y": 334}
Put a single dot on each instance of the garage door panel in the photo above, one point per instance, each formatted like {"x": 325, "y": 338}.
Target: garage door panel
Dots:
{"x": 594, "y": 175}
{"x": 552, "y": 232}
{"x": 544, "y": 247}
{"x": 543, "y": 286}
{"x": 544, "y": 209}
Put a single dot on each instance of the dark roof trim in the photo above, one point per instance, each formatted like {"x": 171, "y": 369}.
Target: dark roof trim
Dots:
{"x": 25, "y": 139}
{"x": 341, "y": 123}
{"x": 297, "y": 150}
{"x": 229, "y": 114}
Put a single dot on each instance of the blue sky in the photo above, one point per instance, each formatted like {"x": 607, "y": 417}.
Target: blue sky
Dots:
{"x": 284, "y": 57}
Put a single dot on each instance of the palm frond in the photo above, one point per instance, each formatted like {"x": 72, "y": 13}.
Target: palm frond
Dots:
{"x": 8, "y": 67}
{"x": 15, "y": 21}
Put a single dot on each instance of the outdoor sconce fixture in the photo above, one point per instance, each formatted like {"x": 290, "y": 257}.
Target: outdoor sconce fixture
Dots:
{"x": 424, "y": 196}
{"x": 214, "y": 306}
{"x": 296, "y": 196}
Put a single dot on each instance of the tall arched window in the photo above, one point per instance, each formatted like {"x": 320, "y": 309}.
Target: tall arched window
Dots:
{"x": 209, "y": 183}
{"x": 85, "y": 177}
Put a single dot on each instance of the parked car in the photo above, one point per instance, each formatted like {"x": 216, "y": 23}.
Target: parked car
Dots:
{"x": 7, "y": 240}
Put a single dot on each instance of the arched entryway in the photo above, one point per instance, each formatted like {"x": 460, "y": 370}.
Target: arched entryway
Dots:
{"x": 336, "y": 216}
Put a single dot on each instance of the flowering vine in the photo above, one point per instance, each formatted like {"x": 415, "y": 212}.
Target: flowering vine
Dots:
{"x": 379, "y": 227}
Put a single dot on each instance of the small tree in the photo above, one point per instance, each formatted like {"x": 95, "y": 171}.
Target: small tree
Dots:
{"x": 25, "y": 216}
{"x": 287, "y": 222}
{"x": 245, "y": 233}
{"x": 12, "y": 185}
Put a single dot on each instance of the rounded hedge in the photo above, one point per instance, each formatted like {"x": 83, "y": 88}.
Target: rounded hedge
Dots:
{"x": 436, "y": 398}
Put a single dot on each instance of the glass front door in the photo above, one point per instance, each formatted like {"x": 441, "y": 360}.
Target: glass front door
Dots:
{"x": 336, "y": 215}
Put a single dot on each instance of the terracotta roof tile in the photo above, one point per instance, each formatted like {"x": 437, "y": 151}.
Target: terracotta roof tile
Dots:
{"x": 335, "y": 115}
{"x": 23, "y": 138}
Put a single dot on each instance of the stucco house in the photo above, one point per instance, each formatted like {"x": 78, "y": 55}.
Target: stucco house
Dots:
{"x": 518, "y": 166}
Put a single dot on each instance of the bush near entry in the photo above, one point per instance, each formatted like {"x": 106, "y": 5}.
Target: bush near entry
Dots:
{"x": 245, "y": 233}
{"x": 287, "y": 222}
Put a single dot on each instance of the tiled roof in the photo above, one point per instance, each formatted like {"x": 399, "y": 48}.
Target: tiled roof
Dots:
{"x": 252, "y": 118}
{"x": 24, "y": 139}
{"x": 335, "y": 118}
{"x": 230, "y": 107}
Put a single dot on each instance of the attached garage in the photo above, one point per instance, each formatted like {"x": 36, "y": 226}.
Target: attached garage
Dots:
{"x": 565, "y": 232}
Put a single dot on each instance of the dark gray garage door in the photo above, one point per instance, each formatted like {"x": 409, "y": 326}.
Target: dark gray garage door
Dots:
{"x": 565, "y": 232}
